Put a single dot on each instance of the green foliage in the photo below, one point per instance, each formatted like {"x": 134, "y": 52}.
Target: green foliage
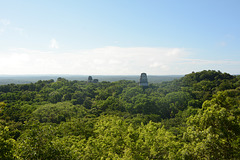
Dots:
{"x": 56, "y": 113}
{"x": 38, "y": 142}
{"x": 7, "y": 144}
{"x": 78, "y": 98}
{"x": 214, "y": 132}
{"x": 18, "y": 112}
{"x": 81, "y": 127}
{"x": 115, "y": 139}
{"x": 2, "y": 106}
{"x": 195, "y": 117}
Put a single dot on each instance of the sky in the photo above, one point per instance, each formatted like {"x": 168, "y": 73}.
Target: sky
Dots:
{"x": 119, "y": 37}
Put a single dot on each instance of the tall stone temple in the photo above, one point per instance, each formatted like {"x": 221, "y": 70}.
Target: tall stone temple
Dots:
{"x": 143, "y": 80}
{"x": 90, "y": 79}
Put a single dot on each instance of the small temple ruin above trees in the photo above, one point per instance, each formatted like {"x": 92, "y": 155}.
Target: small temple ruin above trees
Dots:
{"x": 143, "y": 80}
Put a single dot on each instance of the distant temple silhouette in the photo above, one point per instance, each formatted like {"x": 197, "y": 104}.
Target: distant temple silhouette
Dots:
{"x": 143, "y": 80}
{"x": 91, "y": 80}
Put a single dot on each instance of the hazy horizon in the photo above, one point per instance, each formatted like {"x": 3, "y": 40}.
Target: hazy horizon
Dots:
{"x": 24, "y": 79}
{"x": 1, "y": 75}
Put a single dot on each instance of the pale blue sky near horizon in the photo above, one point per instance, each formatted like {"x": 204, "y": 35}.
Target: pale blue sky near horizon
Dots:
{"x": 119, "y": 37}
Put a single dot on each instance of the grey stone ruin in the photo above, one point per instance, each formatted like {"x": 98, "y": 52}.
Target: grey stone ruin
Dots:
{"x": 90, "y": 79}
{"x": 143, "y": 80}
{"x": 95, "y": 81}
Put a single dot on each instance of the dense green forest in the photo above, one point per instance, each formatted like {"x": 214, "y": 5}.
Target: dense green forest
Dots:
{"x": 194, "y": 117}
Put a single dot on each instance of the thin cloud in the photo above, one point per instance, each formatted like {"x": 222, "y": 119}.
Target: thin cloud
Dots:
{"x": 3, "y": 25}
{"x": 2, "y": 30}
{"x": 223, "y": 44}
{"x": 107, "y": 61}
{"x": 5, "y": 22}
{"x": 54, "y": 44}
{"x": 20, "y": 31}
{"x": 207, "y": 62}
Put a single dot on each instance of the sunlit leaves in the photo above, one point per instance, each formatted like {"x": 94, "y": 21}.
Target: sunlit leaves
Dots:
{"x": 213, "y": 132}
{"x": 7, "y": 144}
{"x": 59, "y": 112}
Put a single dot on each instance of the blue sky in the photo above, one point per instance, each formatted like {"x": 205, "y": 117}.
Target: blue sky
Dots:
{"x": 119, "y": 37}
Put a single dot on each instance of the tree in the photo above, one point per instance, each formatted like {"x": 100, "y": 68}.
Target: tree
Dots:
{"x": 56, "y": 113}
{"x": 2, "y": 106}
{"x": 7, "y": 144}
{"x": 38, "y": 142}
{"x": 214, "y": 133}
{"x": 55, "y": 97}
